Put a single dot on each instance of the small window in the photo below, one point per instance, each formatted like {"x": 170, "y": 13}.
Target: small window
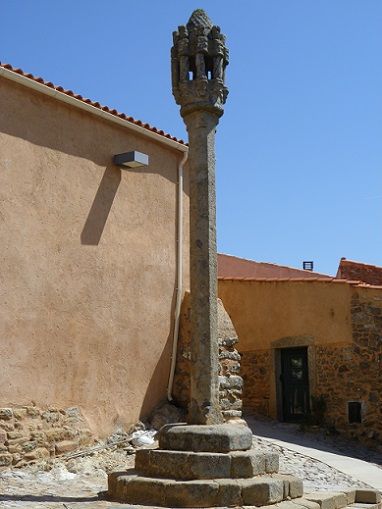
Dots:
{"x": 354, "y": 412}
{"x": 307, "y": 265}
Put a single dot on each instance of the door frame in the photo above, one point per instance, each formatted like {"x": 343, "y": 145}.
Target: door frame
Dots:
{"x": 292, "y": 342}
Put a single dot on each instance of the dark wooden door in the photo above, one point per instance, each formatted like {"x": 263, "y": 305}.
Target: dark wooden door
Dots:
{"x": 295, "y": 383}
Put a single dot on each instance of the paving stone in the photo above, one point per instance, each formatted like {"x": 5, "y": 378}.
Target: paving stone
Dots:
{"x": 368, "y": 496}
{"x": 359, "y": 505}
{"x": 303, "y": 502}
{"x": 204, "y": 438}
{"x": 328, "y": 500}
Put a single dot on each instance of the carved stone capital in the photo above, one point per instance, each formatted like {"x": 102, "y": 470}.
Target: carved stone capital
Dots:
{"x": 199, "y": 57}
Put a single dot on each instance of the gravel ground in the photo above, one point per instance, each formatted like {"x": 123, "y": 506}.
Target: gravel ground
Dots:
{"x": 74, "y": 483}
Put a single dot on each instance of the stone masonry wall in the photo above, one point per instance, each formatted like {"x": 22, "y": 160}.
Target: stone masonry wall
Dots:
{"x": 256, "y": 369}
{"x": 353, "y": 373}
{"x": 230, "y": 383}
{"x": 29, "y": 434}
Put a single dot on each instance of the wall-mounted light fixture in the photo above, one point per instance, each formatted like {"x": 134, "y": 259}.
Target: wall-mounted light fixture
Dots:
{"x": 132, "y": 159}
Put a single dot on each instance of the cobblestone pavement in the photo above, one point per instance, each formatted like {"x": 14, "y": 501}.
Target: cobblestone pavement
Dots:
{"x": 316, "y": 438}
{"x": 74, "y": 484}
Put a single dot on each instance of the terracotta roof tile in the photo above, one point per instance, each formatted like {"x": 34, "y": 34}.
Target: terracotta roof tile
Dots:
{"x": 331, "y": 280}
{"x": 233, "y": 266}
{"x": 96, "y": 104}
{"x": 350, "y": 269}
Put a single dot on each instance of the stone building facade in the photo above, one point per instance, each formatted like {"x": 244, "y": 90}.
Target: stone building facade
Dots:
{"x": 29, "y": 434}
{"x": 334, "y": 326}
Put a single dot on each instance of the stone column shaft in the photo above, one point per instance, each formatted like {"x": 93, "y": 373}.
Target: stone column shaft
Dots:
{"x": 204, "y": 407}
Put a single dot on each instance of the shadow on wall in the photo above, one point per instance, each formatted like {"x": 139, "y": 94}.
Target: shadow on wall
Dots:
{"x": 72, "y": 131}
{"x": 101, "y": 206}
{"x": 157, "y": 387}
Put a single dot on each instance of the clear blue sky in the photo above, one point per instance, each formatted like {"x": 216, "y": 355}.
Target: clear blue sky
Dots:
{"x": 299, "y": 149}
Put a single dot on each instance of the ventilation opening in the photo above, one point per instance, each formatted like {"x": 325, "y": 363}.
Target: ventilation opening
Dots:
{"x": 307, "y": 265}
{"x": 354, "y": 412}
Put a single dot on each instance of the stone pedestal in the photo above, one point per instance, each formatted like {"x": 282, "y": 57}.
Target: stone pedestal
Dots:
{"x": 204, "y": 466}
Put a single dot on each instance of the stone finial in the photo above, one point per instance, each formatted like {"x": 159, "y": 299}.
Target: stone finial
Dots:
{"x": 199, "y": 57}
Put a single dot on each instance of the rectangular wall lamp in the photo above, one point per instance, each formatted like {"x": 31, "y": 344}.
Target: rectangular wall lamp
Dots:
{"x": 132, "y": 159}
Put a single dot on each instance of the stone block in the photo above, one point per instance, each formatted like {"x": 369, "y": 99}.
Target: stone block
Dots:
{"x": 66, "y": 446}
{"x": 291, "y": 504}
{"x": 247, "y": 463}
{"x": 6, "y": 460}
{"x": 191, "y": 494}
{"x": 328, "y": 500}
{"x": 350, "y": 495}
{"x": 232, "y": 414}
{"x": 367, "y": 496}
{"x": 6, "y": 414}
{"x": 262, "y": 491}
{"x": 308, "y": 504}
{"x": 32, "y": 411}
{"x": 7, "y": 426}
{"x": 19, "y": 413}
{"x": 272, "y": 463}
{"x": 17, "y": 441}
{"x": 138, "y": 490}
{"x": 293, "y": 487}
{"x": 229, "y": 494}
{"x": 37, "y": 454}
{"x": 13, "y": 449}
{"x": 29, "y": 446}
{"x": 3, "y": 436}
{"x": 12, "y": 435}
{"x": 205, "y": 438}
{"x": 130, "y": 488}
{"x": 182, "y": 465}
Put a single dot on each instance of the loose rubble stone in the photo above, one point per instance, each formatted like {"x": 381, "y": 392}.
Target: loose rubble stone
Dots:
{"x": 5, "y": 460}
{"x": 66, "y": 446}
{"x": 6, "y": 414}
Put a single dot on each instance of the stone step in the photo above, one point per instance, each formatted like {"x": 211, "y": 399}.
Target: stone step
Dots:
{"x": 205, "y": 438}
{"x": 200, "y": 465}
{"x": 306, "y": 502}
{"x": 354, "y": 498}
{"x": 262, "y": 490}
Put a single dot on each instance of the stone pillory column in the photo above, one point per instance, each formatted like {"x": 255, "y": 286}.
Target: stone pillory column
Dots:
{"x": 198, "y": 60}
{"x": 204, "y": 463}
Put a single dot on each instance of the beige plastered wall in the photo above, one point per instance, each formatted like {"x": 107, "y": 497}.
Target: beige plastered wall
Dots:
{"x": 269, "y": 315}
{"x": 88, "y": 262}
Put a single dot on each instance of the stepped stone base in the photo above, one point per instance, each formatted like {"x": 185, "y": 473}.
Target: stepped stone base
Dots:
{"x": 214, "y": 466}
{"x": 187, "y": 465}
{"x": 261, "y": 490}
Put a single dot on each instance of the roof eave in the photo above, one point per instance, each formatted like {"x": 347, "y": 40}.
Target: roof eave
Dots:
{"x": 61, "y": 96}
